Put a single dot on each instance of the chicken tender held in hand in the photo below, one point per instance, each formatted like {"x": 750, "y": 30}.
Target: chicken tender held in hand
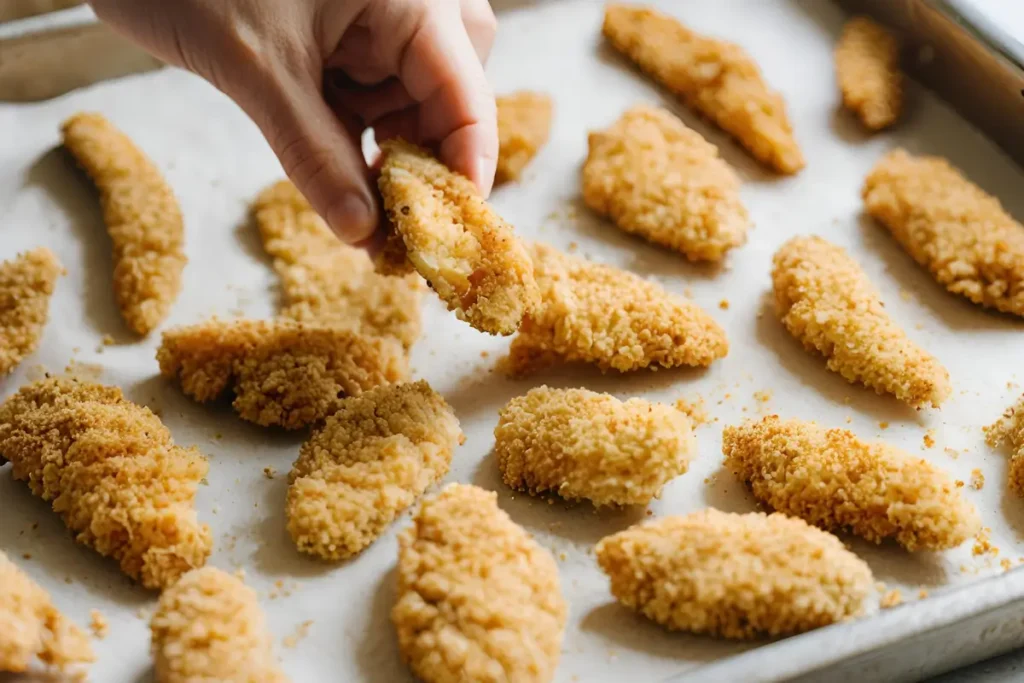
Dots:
{"x": 868, "y": 69}
{"x": 1010, "y": 429}
{"x": 478, "y": 599}
{"x": 581, "y": 444}
{"x": 835, "y": 481}
{"x": 524, "y": 122}
{"x": 26, "y": 285}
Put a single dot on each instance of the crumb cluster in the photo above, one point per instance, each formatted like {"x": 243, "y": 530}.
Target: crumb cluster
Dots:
{"x": 1010, "y": 429}
{"x": 26, "y": 285}
{"x": 868, "y": 70}
{"x": 524, "y": 122}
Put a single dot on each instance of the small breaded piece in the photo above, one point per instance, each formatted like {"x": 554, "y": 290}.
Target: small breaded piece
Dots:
{"x": 659, "y": 179}
{"x": 599, "y": 314}
{"x": 524, "y": 123}
{"x": 26, "y": 285}
{"x": 33, "y": 627}
{"x": 327, "y": 282}
{"x": 478, "y": 598}
{"x": 960, "y": 234}
{"x": 370, "y": 461}
{"x": 1010, "y": 429}
{"x": 827, "y": 302}
{"x": 835, "y": 481}
{"x": 868, "y": 70}
{"x": 468, "y": 254}
{"x": 283, "y": 373}
{"x": 735, "y": 576}
{"x": 112, "y": 473}
{"x": 209, "y": 628}
{"x": 142, "y": 216}
{"x": 581, "y": 444}
{"x": 715, "y": 78}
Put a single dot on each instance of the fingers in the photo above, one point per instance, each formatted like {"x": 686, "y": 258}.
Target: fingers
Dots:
{"x": 481, "y": 26}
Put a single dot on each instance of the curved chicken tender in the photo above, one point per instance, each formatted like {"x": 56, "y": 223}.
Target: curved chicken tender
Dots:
{"x": 736, "y": 576}
{"x": 282, "y": 372}
{"x": 112, "y": 473}
{"x": 142, "y": 217}
{"x": 868, "y": 69}
{"x": 599, "y": 314}
{"x": 960, "y": 234}
{"x": 827, "y": 302}
{"x": 835, "y": 481}
{"x": 478, "y": 599}
{"x": 713, "y": 77}
{"x": 581, "y": 444}
{"x": 466, "y": 252}
{"x": 26, "y": 285}
{"x": 1010, "y": 428}
{"x": 209, "y": 628}
{"x": 524, "y": 122}
{"x": 370, "y": 461}
{"x": 658, "y": 179}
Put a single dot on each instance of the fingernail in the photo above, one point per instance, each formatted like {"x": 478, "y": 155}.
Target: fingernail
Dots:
{"x": 484, "y": 176}
{"x": 351, "y": 218}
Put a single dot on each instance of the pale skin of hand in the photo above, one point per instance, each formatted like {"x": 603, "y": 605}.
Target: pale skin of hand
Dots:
{"x": 314, "y": 74}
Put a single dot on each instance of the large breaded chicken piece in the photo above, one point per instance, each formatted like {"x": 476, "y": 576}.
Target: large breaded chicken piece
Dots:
{"x": 142, "y": 217}
{"x": 1010, "y": 429}
{"x": 26, "y": 285}
{"x": 283, "y": 373}
{"x": 599, "y": 314}
{"x": 478, "y": 598}
{"x": 868, "y": 70}
{"x": 835, "y": 481}
{"x": 524, "y": 123}
{"x": 370, "y": 461}
{"x": 31, "y": 626}
{"x": 581, "y": 444}
{"x": 467, "y": 253}
{"x": 734, "y": 576}
{"x": 209, "y": 628}
{"x": 660, "y": 180}
{"x": 113, "y": 474}
{"x": 327, "y": 282}
{"x": 827, "y": 302}
{"x": 715, "y": 78}
{"x": 953, "y": 228}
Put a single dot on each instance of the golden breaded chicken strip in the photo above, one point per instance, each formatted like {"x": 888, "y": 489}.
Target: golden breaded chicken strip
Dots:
{"x": 327, "y": 282}
{"x": 466, "y": 252}
{"x": 599, "y": 314}
{"x": 735, "y": 576}
{"x": 658, "y": 179}
{"x": 113, "y": 474}
{"x": 478, "y": 599}
{"x": 581, "y": 444}
{"x": 868, "y": 70}
{"x": 142, "y": 217}
{"x": 524, "y": 122}
{"x": 209, "y": 628}
{"x": 283, "y": 373}
{"x": 715, "y": 78}
{"x": 827, "y": 302}
{"x": 960, "y": 234}
{"x": 26, "y": 285}
{"x": 33, "y": 627}
{"x": 370, "y": 461}
{"x": 1010, "y": 429}
{"x": 835, "y": 481}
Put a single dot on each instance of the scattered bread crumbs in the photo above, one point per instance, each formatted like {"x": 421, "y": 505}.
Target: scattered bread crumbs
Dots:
{"x": 562, "y": 556}
{"x": 572, "y": 247}
{"x": 27, "y": 556}
{"x": 724, "y": 304}
{"x": 905, "y": 295}
{"x": 952, "y": 452}
{"x": 1006, "y": 563}
{"x": 108, "y": 340}
{"x": 929, "y": 438}
{"x": 269, "y": 472}
{"x": 883, "y": 425}
{"x": 891, "y": 599}
{"x": 763, "y": 396}
{"x": 98, "y": 624}
{"x": 849, "y": 419}
{"x": 977, "y": 480}
{"x": 695, "y": 409}
{"x": 983, "y": 544}
{"x": 922, "y": 594}
{"x": 301, "y": 631}
{"x": 959, "y": 483}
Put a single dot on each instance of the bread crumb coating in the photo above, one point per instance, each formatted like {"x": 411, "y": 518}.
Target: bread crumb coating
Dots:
{"x": 26, "y": 285}
{"x": 524, "y": 122}
{"x": 868, "y": 70}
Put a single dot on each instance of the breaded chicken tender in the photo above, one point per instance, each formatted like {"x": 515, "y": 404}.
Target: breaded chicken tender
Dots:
{"x": 478, "y": 599}
{"x": 33, "y": 627}
{"x": 370, "y": 461}
{"x": 283, "y": 373}
{"x": 1010, "y": 429}
{"x": 868, "y": 70}
{"x": 735, "y": 576}
{"x": 524, "y": 122}
{"x": 835, "y": 481}
{"x": 581, "y": 444}
{"x": 209, "y": 628}
{"x": 599, "y": 314}
{"x": 827, "y": 302}
{"x": 26, "y": 285}
{"x": 113, "y": 474}
{"x": 327, "y": 282}
{"x": 142, "y": 217}
{"x": 466, "y": 252}
{"x": 659, "y": 179}
{"x": 715, "y": 78}
{"x": 960, "y": 234}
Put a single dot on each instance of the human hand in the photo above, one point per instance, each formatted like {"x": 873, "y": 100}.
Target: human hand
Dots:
{"x": 313, "y": 74}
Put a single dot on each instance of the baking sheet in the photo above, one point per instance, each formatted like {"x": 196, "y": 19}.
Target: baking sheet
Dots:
{"x": 331, "y": 620}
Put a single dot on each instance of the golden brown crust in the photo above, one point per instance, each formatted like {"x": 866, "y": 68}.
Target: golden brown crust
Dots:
{"x": 26, "y": 285}
{"x": 868, "y": 70}
{"x": 524, "y": 122}
{"x": 1010, "y": 429}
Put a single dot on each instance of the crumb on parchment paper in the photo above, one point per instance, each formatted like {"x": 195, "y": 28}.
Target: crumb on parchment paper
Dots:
{"x": 98, "y": 624}
{"x": 977, "y": 479}
{"x": 891, "y": 598}
{"x": 695, "y": 409}
{"x": 929, "y": 438}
